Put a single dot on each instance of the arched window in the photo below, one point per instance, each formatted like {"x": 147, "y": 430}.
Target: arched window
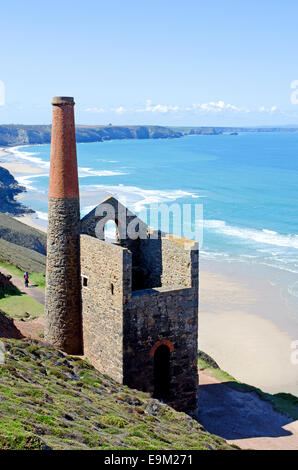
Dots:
{"x": 162, "y": 372}
{"x": 111, "y": 232}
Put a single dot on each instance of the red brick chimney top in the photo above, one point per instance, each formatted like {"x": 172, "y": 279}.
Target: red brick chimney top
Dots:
{"x": 63, "y": 168}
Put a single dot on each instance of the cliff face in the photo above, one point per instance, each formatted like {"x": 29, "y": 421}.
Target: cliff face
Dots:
{"x": 9, "y": 189}
{"x": 12, "y": 135}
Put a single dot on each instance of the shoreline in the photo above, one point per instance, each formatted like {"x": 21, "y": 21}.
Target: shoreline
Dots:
{"x": 246, "y": 322}
{"x": 20, "y": 169}
{"x": 246, "y": 327}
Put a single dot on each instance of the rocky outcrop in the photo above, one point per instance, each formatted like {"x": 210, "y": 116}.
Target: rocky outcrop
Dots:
{"x": 9, "y": 189}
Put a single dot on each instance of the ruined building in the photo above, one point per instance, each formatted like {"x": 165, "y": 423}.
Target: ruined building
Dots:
{"x": 131, "y": 307}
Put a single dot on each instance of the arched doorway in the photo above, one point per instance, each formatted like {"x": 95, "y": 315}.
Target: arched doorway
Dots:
{"x": 111, "y": 232}
{"x": 162, "y": 372}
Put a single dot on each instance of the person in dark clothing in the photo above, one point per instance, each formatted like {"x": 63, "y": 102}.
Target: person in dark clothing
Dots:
{"x": 26, "y": 279}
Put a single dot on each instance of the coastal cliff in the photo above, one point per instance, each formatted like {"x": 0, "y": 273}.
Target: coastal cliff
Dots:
{"x": 13, "y": 135}
{"x": 9, "y": 189}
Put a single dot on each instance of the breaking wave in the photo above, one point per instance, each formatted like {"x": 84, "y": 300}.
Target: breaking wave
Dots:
{"x": 268, "y": 237}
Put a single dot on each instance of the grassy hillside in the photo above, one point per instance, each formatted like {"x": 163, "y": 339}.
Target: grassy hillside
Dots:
{"x": 21, "y": 234}
{"x": 23, "y": 258}
{"x": 16, "y": 304}
{"x": 48, "y": 400}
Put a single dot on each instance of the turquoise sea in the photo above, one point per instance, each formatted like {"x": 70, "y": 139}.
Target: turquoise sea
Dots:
{"x": 247, "y": 184}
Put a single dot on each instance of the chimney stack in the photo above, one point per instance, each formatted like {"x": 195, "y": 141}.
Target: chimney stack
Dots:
{"x": 63, "y": 303}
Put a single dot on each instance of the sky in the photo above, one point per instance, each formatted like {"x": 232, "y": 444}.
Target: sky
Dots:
{"x": 166, "y": 62}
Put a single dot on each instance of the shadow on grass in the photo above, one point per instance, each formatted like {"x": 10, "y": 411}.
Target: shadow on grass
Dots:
{"x": 10, "y": 291}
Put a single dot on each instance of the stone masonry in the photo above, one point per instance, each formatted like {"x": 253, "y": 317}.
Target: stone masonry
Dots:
{"x": 131, "y": 307}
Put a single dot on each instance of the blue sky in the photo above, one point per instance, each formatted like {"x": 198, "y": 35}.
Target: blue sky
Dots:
{"x": 168, "y": 62}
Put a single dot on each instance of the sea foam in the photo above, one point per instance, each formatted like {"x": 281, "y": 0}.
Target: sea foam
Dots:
{"x": 261, "y": 236}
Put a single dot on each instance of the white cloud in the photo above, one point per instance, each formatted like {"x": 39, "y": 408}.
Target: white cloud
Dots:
{"x": 212, "y": 107}
{"x": 120, "y": 110}
{"x": 158, "y": 108}
{"x": 270, "y": 110}
{"x": 215, "y": 106}
{"x": 95, "y": 110}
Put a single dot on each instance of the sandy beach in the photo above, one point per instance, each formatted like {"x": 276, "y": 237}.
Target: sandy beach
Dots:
{"x": 246, "y": 326}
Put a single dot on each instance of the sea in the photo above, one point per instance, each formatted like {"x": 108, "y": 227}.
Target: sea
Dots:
{"x": 242, "y": 190}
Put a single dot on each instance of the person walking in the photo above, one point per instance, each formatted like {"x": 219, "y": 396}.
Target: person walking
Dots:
{"x": 26, "y": 279}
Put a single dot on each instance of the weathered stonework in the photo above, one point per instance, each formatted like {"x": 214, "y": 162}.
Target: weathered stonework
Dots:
{"x": 62, "y": 308}
{"x": 121, "y": 329}
{"x": 105, "y": 269}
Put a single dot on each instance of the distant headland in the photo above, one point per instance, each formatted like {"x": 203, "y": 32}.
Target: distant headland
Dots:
{"x": 15, "y": 134}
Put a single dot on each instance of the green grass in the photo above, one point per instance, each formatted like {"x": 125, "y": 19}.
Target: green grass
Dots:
{"x": 48, "y": 400}
{"x": 36, "y": 279}
{"x": 21, "y": 306}
{"x": 24, "y": 258}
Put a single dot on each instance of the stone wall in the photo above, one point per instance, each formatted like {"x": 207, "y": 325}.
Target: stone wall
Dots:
{"x": 177, "y": 262}
{"x": 163, "y": 315}
{"x": 106, "y": 269}
{"x": 123, "y": 329}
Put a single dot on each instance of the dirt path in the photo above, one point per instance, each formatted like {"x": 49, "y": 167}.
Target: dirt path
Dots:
{"x": 31, "y": 329}
{"x": 32, "y": 290}
{"x": 242, "y": 418}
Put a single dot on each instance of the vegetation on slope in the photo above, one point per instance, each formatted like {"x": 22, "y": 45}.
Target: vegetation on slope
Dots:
{"x": 21, "y": 307}
{"x": 48, "y": 400}
{"x": 37, "y": 279}
{"x": 18, "y": 259}
{"x": 22, "y": 235}
{"x": 17, "y": 305}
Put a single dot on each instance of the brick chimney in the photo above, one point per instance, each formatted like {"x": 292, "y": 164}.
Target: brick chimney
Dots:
{"x": 63, "y": 303}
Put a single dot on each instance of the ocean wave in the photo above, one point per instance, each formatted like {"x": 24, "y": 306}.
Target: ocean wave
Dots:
{"x": 137, "y": 199}
{"x": 84, "y": 172}
{"x": 42, "y": 215}
{"x": 28, "y": 157}
{"x": 261, "y": 236}
{"x": 27, "y": 180}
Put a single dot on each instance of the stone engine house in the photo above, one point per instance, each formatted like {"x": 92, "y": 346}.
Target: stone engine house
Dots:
{"x": 131, "y": 307}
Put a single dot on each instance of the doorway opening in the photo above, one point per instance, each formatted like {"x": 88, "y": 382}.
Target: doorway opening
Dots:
{"x": 162, "y": 372}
